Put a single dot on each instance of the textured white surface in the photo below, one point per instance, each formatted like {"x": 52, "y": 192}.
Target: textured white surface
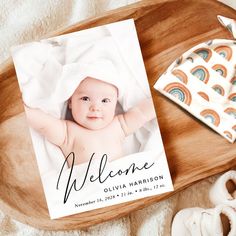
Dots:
{"x": 24, "y": 21}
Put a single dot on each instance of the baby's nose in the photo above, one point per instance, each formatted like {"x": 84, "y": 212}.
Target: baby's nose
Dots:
{"x": 95, "y": 107}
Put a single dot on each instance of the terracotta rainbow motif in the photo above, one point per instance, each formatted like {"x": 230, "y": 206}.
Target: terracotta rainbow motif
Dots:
{"x": 180, "y": 75}
{"x": 220, "y": 69}
{"x": 190, "y": 59}
{"x": 179, "y": 60}
{"x": 228, "y": 134}
{"x": 204, "y": 53}
{"x": 180, "y": 92}
{"x": 211, "y": 116}
{"x": 224, "y": 51}
{"x": 232, "y": 97}
{"x": 231, "y": 111}
{"x": 204, "y": 95}
{"x": 233, "y": 80}
{"x": 219, "y": 89}
{"x": 234, "y": 128}
{"x": 201, "y": 73}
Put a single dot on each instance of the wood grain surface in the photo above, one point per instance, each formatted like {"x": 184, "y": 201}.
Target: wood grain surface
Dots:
{"x": 165, "y": 29}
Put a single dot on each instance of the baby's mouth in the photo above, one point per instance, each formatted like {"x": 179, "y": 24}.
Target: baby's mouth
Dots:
{"x": 94, "y": 117}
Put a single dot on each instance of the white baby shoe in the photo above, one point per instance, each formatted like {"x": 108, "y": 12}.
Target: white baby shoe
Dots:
{"x": 218, "y": 221}
{"x": 223, "y": 191}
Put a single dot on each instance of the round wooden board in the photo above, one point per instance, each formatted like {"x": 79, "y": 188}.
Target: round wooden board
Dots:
{"x": 165, "y": 29}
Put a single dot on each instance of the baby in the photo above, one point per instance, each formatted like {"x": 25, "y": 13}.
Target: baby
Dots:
{"x": 96, "y": 128}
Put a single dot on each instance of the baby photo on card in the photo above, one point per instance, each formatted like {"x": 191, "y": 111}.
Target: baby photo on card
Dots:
{"x": 92, "y": 120}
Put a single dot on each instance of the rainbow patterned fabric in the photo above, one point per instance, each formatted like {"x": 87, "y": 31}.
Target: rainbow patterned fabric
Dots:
{"x": 203, "y": 82}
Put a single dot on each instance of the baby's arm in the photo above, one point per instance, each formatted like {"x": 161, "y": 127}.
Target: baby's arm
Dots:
{"x": 137, "y": 116}
{"x": 54, "y": 130}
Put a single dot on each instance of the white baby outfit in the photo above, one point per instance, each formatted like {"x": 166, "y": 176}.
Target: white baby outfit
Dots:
{"x": 203, "y": 82}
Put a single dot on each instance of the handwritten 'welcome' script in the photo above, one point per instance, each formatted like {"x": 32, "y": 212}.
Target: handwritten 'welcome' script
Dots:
{"x": 101, "y": 177}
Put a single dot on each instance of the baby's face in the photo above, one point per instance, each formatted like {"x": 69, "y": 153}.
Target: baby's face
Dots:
{"x": 93, "y": 103}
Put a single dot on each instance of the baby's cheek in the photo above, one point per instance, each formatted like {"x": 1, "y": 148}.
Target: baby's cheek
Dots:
{"x": 111, "y": 116}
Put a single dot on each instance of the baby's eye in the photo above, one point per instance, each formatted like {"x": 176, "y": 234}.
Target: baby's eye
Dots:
{"x": 106, "y": 100}
{"x": 85, "y": 98}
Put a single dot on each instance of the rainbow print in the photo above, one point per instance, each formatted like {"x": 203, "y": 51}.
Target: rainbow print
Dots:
{"x": 201, "y": 73}
{"x": 180, "y": 75}
{"x": 190, "y": 59}
{"x": 234, "y": 128}
{"x": 231, "y": 111}
{"x": 179, "y": 60}
{"x": 204, "y": 95}
{"x": 220, "y": 69}
{"x": 180, "y": 92}
{"x": 211, "y": 116}
{"x": 204, "y": 53}
{"x": 233, "y": 80}
{"x": 228, "y": 134}
{"x": 232, "y": 97}
{"x": 219, "y": 89}
{"x": 224, "y": 51}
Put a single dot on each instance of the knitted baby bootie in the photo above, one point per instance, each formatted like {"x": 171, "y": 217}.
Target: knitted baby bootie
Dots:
{"x": 218, "y": 221}
{"x": 223, "y": 191}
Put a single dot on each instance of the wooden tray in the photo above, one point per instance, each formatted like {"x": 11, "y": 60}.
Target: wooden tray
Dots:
{"x": 165, "y": 29}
